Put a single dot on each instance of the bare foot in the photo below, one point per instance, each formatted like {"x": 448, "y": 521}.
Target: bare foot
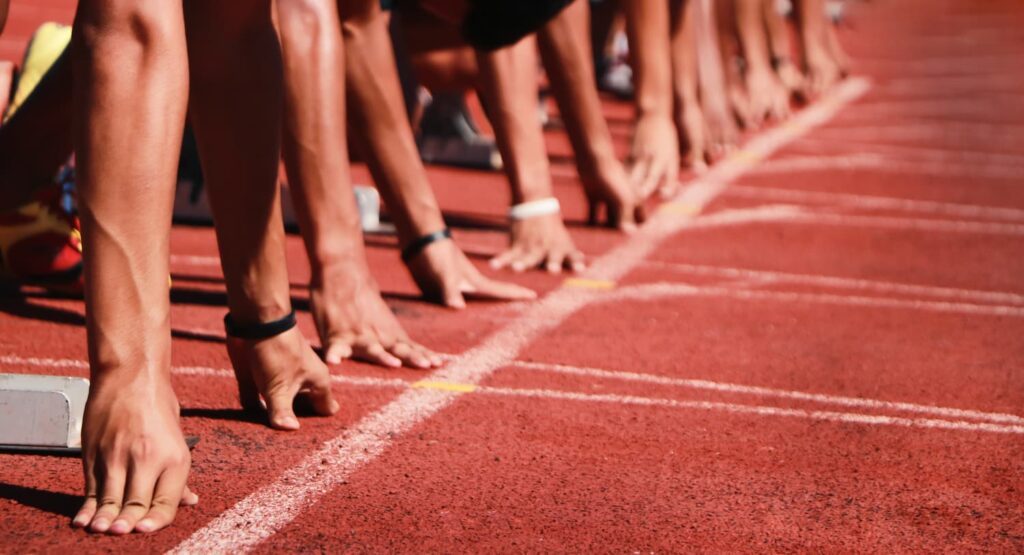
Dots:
{"x": 353, "y": 321}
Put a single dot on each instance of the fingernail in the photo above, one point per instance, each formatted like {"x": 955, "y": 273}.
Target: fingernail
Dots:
{"x": 119, "y": 527}
{"x": 333, "y": 359}
{"x": 335, "y": 406}
{"x": 145, "y": 525}
{"x": 80, "y": 521}
{"x": 100, "y": 525}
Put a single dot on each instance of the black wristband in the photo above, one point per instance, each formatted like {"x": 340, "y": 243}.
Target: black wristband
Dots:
{"x": 263, "y": 330}
{"x": 412, "y": 249}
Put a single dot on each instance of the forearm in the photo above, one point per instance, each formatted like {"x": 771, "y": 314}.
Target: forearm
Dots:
{"x": 684, "y": 53}
{"x": 238, "y": 134}
{"x": 566, "y": 53}
{"x": 753, "y": 38}
{"x": 508, "y": 84}
{"x": 130, "y": 102}
{"x": 648, "y": 30}
{"x": 378, "y": 119}
{"x": 710, "y": 67}
{"x": 314, "y": 144}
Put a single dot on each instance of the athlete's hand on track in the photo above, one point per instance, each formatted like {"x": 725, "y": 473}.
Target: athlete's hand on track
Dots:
{"x": 281, "y": 369}
{"x": 769, "y": 98}
{"x": 542, "y": 241}
{"x": 354, "y": 321}
{"x": 134, "y": 455}
{"x": 654, "y": 156}
{"x": 608, "y": 186}
{"x": 445, "y": 274}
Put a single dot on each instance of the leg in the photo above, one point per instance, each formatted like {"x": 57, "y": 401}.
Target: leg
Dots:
{"x": 130, "y": 69}
{"x": 235, "y": 67}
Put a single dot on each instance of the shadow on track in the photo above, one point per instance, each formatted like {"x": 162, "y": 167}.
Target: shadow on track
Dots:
{"x": 63, "y": 504}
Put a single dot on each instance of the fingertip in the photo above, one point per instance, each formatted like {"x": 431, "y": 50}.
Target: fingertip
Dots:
{"x": 146, "y": 525}
{"x": 80, "y": 521}
{"x": 189, "y": 499}
{"x": 99, "y": 525}
{"x": 120, "y": 527}
{"x": 285, "y": 422}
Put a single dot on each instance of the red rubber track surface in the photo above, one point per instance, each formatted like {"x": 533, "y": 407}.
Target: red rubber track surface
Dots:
{"x": 828, "y": 358}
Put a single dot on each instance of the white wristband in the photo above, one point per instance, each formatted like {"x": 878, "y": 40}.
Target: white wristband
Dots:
{"x": 534, "y": 208}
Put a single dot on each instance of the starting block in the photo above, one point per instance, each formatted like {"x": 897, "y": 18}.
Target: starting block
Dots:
{"x": 42, "y": 415}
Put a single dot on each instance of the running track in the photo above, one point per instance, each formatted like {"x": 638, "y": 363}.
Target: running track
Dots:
{"x": 817, "y": 346}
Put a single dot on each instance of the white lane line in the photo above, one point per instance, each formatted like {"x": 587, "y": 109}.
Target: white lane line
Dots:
{"x": 880, "y": 163}
{"x": 1010, "y": 421}
{"x": 877, "y": 202}
{"x": 844, "y": 283}
{"x": 957, "y": 155}
{"x": 908, "y": 224}
{"x": 661, "y": 290}
{"x": 272, "y": 507}
{"x": 823, "y": 398}
{"x": 195, "y": 260}
{"x": 831, "y": 416}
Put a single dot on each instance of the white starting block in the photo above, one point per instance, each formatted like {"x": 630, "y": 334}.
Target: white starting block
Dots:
{"x": 42, "y": 415}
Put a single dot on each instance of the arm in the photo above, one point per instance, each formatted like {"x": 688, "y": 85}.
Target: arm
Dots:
{"x": 655, "y": 149}
{"x": 131, "y": 112}
{"x": 442, "y": 271}
{"x": 508, "y": 85}
{"x": 567, "y": 55}
{"x": 769, "y": 99}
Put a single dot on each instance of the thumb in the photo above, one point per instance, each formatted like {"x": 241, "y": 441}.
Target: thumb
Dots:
{"x": 320, "y": 396}
{"x": 453, "y": 297}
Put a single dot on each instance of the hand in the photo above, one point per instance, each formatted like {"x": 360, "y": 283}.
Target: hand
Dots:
{"x": 606, "y": 184}
{"x": 740, "y": 103}
{"x": 823, "y": 71}
{"x": 541, "y": 241}
{"x": 654, "y": 156}
{"x": 135, "y": 458}
{"x": 279, "y": 370}
{"x": 693, "y": 137}
{"x": 769, "y": 99}
{"x": 354, "y": 321}
{"x": 443, "y": 273}
{"x": 722, "y": 134}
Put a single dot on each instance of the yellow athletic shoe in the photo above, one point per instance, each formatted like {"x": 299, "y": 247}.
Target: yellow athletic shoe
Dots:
{"x": 47, "y": 44}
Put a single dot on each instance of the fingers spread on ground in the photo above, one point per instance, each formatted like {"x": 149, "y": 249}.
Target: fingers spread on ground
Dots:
{"x": 505, "y": 258}
{"x": 576, "y": 261}
{"x": 375, "y": 353}
{"x": 138, "y": 495}
{"x": 485, "y": 288}
{"x": 530, "y": 259}
{"x": 85, "y": 513}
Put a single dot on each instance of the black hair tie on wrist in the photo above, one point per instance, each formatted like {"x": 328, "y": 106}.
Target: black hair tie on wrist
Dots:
{"x": 416, "y": 247}
{"x": 262, "y": 330}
